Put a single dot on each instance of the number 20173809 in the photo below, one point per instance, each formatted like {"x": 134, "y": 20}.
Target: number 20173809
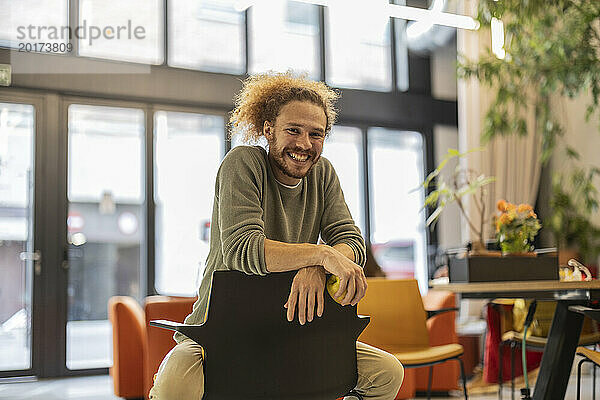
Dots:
{"x": 45, "y": 47}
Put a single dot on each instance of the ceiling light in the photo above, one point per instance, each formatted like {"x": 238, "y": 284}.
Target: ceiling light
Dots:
{"x": 433, "y": 17}
{"x": 396, "y": 11}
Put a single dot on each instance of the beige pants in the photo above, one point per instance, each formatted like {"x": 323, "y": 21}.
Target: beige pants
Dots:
{"x": 181, "y": 376}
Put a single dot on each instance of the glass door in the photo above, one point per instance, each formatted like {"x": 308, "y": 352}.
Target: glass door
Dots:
{"x": 106, "y": 232}
{"x": 19, "y": 260}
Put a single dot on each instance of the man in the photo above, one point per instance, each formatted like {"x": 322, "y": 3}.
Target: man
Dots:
{"x": 269, "y": 211}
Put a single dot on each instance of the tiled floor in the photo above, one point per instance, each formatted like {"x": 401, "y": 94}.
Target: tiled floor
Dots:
{"x": 100, "y": 388}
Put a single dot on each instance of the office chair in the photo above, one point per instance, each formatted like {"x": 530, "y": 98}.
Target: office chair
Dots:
{"x": 251, "y": 351}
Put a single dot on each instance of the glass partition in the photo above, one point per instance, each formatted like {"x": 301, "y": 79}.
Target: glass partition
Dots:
{"x": 398, "y": 234}
{"x": 106, "y": 229}
{"x": 188, "y": 151}
{"x": 17, "y": 259}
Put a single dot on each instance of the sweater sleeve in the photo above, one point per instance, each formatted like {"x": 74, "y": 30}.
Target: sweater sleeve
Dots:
{"x": 239, "y": 191}
{"x": 337, "y": 225}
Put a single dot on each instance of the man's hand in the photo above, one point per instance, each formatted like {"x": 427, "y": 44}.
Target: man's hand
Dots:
{"x": 351, "y": 275}
{"x": 307, "y": 287}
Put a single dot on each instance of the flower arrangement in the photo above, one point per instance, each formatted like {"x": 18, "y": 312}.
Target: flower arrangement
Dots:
{"x": 516, "y": 227}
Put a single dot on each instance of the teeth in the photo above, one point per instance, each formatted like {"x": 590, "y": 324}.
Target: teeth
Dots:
{"x": 298, "y": 157}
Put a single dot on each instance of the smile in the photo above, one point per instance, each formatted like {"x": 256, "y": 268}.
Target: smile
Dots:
{"x": 298, "y": 157}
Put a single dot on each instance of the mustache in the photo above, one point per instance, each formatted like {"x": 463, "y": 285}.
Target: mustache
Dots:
{"x": 300, "y": 151}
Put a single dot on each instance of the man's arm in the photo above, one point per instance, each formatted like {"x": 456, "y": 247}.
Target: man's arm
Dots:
{"x": 280, "y": 257}
{"x": 345, "y": 250}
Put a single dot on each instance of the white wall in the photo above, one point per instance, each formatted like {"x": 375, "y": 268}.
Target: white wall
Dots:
{"x": 443, "y": 72}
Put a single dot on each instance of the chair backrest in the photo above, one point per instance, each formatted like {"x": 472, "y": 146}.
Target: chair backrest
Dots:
{"x": 129, "y": 341}
{"x": 398, "y": 317}
{"x": 253, "y": 352}
{"x": 160, "y": 342}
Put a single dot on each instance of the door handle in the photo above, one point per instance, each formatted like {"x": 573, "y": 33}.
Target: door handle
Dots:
{"x": 36, "y": 257}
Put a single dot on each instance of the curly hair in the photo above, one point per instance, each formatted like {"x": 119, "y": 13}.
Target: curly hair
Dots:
{"x": 263, "y": 95}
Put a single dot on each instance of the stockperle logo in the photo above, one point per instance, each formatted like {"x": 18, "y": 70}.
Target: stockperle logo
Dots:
{"x": 82, "y": 32}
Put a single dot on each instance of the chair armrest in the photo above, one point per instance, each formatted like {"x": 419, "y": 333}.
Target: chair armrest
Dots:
{"x": 433, "y": 313}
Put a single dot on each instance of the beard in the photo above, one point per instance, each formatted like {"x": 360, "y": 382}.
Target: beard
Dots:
{"x": 286, "y": 165}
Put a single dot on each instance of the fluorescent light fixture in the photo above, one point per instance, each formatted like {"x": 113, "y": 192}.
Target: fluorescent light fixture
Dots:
{"x": 419, "y": 28}
{"x": 396, "y": 11}
{"x": 324, "y": 3}
{"x": 432, "y": 17}
{"x": 498, "y": 38}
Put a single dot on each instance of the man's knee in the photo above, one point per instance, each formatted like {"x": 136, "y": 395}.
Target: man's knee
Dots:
{"x": 180, "y": 375}
{"x": 394, "y": 371}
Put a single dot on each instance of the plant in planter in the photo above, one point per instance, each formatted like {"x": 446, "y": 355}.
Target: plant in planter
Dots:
{"x": 552, "y": 49}
{"x": 574, "y": 201}
{"x": 463, "y": 183}
{"x": 516, "y": 227}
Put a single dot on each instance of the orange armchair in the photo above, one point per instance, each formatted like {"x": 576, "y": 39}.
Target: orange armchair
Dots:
{"x": 442, "y": 330}
{"x": 138, "y": 349}
{"x": 398, "y": 325}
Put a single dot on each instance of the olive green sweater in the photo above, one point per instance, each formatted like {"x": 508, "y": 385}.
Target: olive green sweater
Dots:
{"x": 250, "y": 205}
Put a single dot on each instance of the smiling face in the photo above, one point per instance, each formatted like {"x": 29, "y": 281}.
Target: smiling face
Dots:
{"x": 295, "y": 140}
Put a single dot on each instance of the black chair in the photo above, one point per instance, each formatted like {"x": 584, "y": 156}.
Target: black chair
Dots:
{"x": 251, "y": 351}
{"x": 514, "y": 340}
{"x": 588, "y": 355}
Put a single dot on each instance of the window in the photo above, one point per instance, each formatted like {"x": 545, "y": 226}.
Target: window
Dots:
{"x": 32, "y": 21}
{"x": 284, "y": 35}
{"x": 343, "y": 148}
{"x": 396, "y": 197}
{"x": 206, "y": 35}
{"x": 105, "y": 225}
{"x": 358, "y": 45}
{"x": 189, "y": 149}
{"x": 129, "y": 30}
{"x": 17, "y": 133}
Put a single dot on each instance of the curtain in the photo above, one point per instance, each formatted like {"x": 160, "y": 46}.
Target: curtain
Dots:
{"x": 514, "y": 161}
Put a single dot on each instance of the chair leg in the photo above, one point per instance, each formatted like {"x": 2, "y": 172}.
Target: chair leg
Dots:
{"x": 463, "y": 377}
{"x": 512, "y": 370}
{"x": 500, "y": 368}
{"x": 579, "y": 378}
{"x": 429, "y": 382}
{"x": 594, "y": 381}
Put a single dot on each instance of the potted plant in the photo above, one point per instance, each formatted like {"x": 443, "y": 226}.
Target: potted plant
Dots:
{"x": 551, "y": 49}
{"x": 463, "y": 183}
{"x": 574, "y": 200}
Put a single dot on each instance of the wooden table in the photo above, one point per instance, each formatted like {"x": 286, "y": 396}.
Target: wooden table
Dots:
{"x": 565, "y": 329}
